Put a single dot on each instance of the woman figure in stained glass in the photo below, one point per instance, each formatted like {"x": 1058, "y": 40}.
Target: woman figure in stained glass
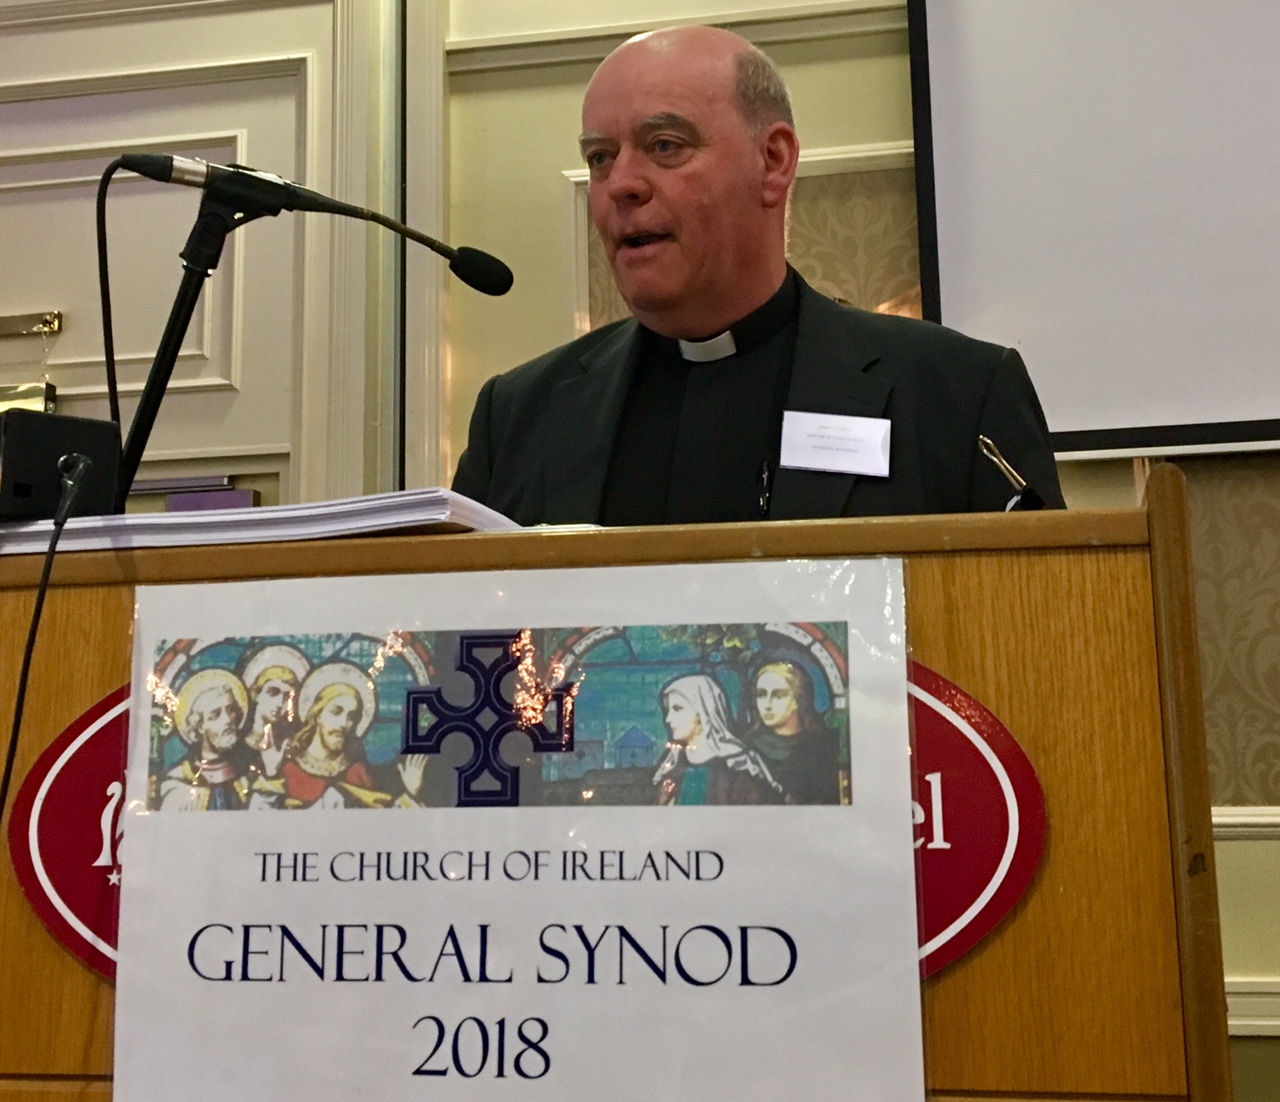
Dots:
{"x": 705, "y": 762}
{"x": 789, "y": 735}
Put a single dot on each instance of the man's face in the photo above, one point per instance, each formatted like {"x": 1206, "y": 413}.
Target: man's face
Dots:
{"x": 216, "y": 716}
{"x": 336, "y": 722}
{"x": 271, "y": 701}
{"x": 675, "y": 189}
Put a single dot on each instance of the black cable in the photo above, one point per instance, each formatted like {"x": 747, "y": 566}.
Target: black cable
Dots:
{"x": 104, "y": 288}
{"x": 73, "y": 468}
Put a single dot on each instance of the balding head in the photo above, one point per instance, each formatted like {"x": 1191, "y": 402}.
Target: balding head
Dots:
{"x": 688, "y": 135}
{"x": 759, "y": 91}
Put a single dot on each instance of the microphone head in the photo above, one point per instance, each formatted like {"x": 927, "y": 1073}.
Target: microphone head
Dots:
{"x": 72, "y": 465}
{"x": 487, "y": 274}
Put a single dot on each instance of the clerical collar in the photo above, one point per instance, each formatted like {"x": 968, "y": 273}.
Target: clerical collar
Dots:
{"x": 717, "y": 348}
{"x": 743, "y": 336}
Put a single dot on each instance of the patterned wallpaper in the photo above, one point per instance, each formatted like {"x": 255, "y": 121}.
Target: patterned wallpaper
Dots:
{"x": 1235, "y": 537}
{"x": 852, "y": 236}
{"x": 604, "y": 302}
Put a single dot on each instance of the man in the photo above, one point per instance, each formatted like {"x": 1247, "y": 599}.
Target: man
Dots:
{"x": 326, "y": 767}
{"x": 211, "y": 776}
{"x": 272, "y": 676}
{"x": 677, "y": 416}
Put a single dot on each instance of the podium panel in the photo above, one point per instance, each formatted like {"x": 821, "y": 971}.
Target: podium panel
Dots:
{"x": 1076, "y": 629}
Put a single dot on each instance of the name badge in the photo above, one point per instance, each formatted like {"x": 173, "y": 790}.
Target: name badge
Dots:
{"x": 830, "y": 442}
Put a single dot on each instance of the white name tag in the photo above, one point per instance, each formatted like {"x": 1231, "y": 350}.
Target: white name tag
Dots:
{"x": 830, "y": 442}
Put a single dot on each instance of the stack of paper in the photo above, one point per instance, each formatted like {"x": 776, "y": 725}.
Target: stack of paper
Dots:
{"x": 436, "y": 508}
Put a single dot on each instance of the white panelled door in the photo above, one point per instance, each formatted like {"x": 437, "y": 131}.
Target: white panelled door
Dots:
{"x": 285, "y": 348}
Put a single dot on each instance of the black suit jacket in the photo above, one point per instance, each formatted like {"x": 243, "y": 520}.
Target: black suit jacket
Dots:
{"x": 542, "y": 435}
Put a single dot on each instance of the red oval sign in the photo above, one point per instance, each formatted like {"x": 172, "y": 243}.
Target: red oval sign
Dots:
{"x": 980, "y": 824}
{"x": 65, "y": 830}
{"x": 980, "y": 819}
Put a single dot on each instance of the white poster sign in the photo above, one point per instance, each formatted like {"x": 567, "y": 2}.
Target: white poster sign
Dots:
{"x": 648, "y": 834}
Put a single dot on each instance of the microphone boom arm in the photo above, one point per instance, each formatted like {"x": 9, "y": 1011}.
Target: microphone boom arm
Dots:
{"x": 233, "y": 196}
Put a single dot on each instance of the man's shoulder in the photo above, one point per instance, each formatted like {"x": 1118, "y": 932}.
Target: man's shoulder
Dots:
{"x": 919, "y": 358}
{"x": 566, "y": 361}
{"x": 890, "y": 332}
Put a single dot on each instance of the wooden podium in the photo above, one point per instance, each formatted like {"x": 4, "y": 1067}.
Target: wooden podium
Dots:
{"x": 1076, "y": 629}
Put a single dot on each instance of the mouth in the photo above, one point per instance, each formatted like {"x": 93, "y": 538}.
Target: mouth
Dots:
{"x": 637, "y": 241}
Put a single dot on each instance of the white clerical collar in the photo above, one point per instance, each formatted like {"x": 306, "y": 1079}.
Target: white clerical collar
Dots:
{"x": 716, "y": 348}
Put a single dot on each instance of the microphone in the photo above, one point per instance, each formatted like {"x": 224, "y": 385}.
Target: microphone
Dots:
{"x": 271, "y": 194}
{"x": 73, "y": 467}
{"x": 486, "y": 274}
{"x": 264, "y": 188}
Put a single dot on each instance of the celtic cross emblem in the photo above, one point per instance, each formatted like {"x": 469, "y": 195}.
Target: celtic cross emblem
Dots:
{"x": 487, "y": 659}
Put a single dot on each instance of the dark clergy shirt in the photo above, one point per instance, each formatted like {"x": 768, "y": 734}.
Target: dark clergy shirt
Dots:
{"x": 699, "y": 441}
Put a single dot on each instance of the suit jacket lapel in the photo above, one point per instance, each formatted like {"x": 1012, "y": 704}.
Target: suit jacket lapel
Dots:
{"x": 583, "y": 421}
{"x": 829, "y": 375}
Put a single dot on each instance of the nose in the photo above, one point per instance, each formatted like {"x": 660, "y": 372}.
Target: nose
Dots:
{"x": 628, "y": 181}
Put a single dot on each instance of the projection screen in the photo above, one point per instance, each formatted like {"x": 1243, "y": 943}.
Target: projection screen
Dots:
{"x": 1106, "y": 183}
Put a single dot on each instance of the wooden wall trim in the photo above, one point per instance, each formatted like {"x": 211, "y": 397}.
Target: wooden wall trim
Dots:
{"x": 1246, "y": 824}
{"x": 1253, "y": 1006}
{"x": 25, "y": 13}
{"x": 1187, "y": 778}
{"x": 763, "y": 26}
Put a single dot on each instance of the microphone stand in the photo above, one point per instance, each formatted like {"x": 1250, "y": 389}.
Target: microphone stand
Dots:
{"x": 224, "y": 207}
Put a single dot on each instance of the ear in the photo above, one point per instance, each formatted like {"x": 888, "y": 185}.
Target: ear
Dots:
{"x": 780, "y": 152}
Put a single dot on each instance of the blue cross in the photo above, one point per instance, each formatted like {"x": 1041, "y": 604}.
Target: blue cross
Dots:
{"x": 486, "y": 659}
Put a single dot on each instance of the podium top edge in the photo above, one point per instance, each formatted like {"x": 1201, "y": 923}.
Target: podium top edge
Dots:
{"x": 542, "y": 548}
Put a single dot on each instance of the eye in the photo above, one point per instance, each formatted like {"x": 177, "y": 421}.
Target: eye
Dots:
{"x": 597, "y": 158}
{"x": 665, "y": 147}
